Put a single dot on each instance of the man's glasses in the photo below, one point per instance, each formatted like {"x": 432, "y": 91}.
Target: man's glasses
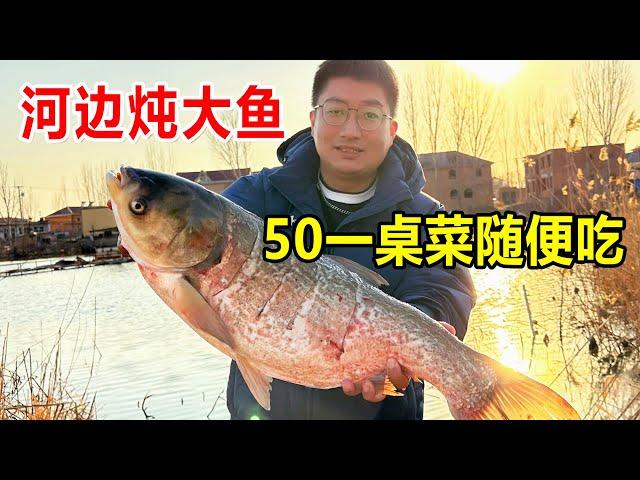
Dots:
{"x": 336, "y": 113}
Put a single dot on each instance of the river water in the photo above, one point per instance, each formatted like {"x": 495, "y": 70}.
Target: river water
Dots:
{"x": 120, "y": 342}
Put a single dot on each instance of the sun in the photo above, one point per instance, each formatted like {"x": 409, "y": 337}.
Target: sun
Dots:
{"x": 497, "y": 72}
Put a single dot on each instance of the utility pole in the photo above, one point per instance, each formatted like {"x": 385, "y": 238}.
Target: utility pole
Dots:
{"x": 20, "y": 195}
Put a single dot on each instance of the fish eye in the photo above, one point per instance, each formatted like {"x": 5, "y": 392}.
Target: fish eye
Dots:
{"x": 138, "y": 206}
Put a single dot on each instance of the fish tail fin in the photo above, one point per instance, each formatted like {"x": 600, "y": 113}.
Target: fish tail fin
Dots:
{"x": 517, "y": 397}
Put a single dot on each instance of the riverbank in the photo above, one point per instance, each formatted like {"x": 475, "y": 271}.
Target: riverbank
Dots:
{"x": 61, "y": 264}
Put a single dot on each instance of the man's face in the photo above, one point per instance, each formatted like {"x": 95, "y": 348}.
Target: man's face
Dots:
{"x": 348, "y": 150}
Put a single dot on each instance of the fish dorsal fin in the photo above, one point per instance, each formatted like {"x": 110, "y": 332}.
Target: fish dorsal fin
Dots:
{"x": 258, "y": 383}
{"x": 195, "y": 310}
{"x": 364, "y": 273}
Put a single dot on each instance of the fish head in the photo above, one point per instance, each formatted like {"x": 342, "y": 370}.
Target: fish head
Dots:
{"x": 166, "y": 222}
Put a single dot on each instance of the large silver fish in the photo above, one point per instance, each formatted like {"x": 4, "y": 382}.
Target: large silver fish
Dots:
{"x": 313, "y": 324}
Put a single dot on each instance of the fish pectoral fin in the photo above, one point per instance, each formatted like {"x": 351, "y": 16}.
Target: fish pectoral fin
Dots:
{"x": 390, "y": 389}
{"x": 259, "y": 383}
{"x": 363, "y": 272}
{"x": 200, "y": 316}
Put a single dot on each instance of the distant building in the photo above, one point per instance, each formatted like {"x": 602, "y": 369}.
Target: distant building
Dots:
{"x": 97, "y": 220}
{"x": 41, "y": 226}
{"x": 83, "y": 221}
{"x": 633, "y": 157}
{"x": 634, "y": 160}
{"x": 509, "y": 196}
{"x": 17, "y": 227}
{"x": 549, "y": 172}
{"x": 13, "y": 227}
{"x": 215, "y": 180}
{"x": 459, "y": 181}
{"x": 67, "y": 221}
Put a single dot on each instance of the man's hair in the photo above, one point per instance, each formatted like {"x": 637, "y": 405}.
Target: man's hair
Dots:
{"x": 376, "y": 71}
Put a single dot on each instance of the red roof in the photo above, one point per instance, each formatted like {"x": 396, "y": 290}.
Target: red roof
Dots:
{"x": 66, "y": 211}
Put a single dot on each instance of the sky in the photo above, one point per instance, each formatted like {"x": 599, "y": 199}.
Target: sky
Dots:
{"x": 42, "y": 166}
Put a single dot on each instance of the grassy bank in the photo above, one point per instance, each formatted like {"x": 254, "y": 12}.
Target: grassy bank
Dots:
{"x": 37, "y": 389}
{"x": 607, "y": 300}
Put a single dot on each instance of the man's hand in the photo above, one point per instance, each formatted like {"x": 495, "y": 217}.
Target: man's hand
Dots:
{"x": 372, "y": 389}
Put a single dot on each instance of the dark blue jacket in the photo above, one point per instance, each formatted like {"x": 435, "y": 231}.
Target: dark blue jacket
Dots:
{"x": 445, "y": 294}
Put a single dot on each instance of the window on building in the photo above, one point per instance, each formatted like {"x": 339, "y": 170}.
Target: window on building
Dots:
{"x": 454, "y": 194}
{"x": 452, "y": 174}
{"x": 478, "y": 172}
{"x": 468, "y": 193}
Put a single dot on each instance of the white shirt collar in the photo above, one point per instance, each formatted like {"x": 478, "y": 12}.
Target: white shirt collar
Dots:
{"x": 348, "y": 198}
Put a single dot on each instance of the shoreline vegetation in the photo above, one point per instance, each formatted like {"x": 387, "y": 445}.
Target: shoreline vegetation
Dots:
{"x": 605, "y": 301}
{"x": 32, "y": 389}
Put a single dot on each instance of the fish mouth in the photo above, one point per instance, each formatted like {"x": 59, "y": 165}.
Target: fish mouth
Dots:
{"x": 123, "y": 250}
{"x": 116, "y": 180}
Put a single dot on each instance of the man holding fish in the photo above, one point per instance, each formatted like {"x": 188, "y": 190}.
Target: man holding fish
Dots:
{"x": 351, "y": 170}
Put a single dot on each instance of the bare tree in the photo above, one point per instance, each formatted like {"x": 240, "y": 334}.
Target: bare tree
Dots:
{"x": 483, "y": 109}
{"x": 411, "y": 109}
{"x": 547, "y": 120}
{"x": 527, "y": 138}
{"x": 602, "y": 90}
{"x": 91, "y": 182}
{"x": 581, "y": 119}
{"x": 458, "y": 107}
{"x": 515, "y": 161}
{"x": 561, "y": 120}
{"x": 507, "y": 146}
{"x": 434, "y": 104}
{"x": 61, "y": 198}
{"x": 234, "y": 153}
{"x": 159, "y": 157}
{"x": 8, "y": 199}
{"x": 524, "y": 139}
{"x": 541, "y": 121}
{"x": 27, "y": 207}
{"x": 30, "y": 204}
